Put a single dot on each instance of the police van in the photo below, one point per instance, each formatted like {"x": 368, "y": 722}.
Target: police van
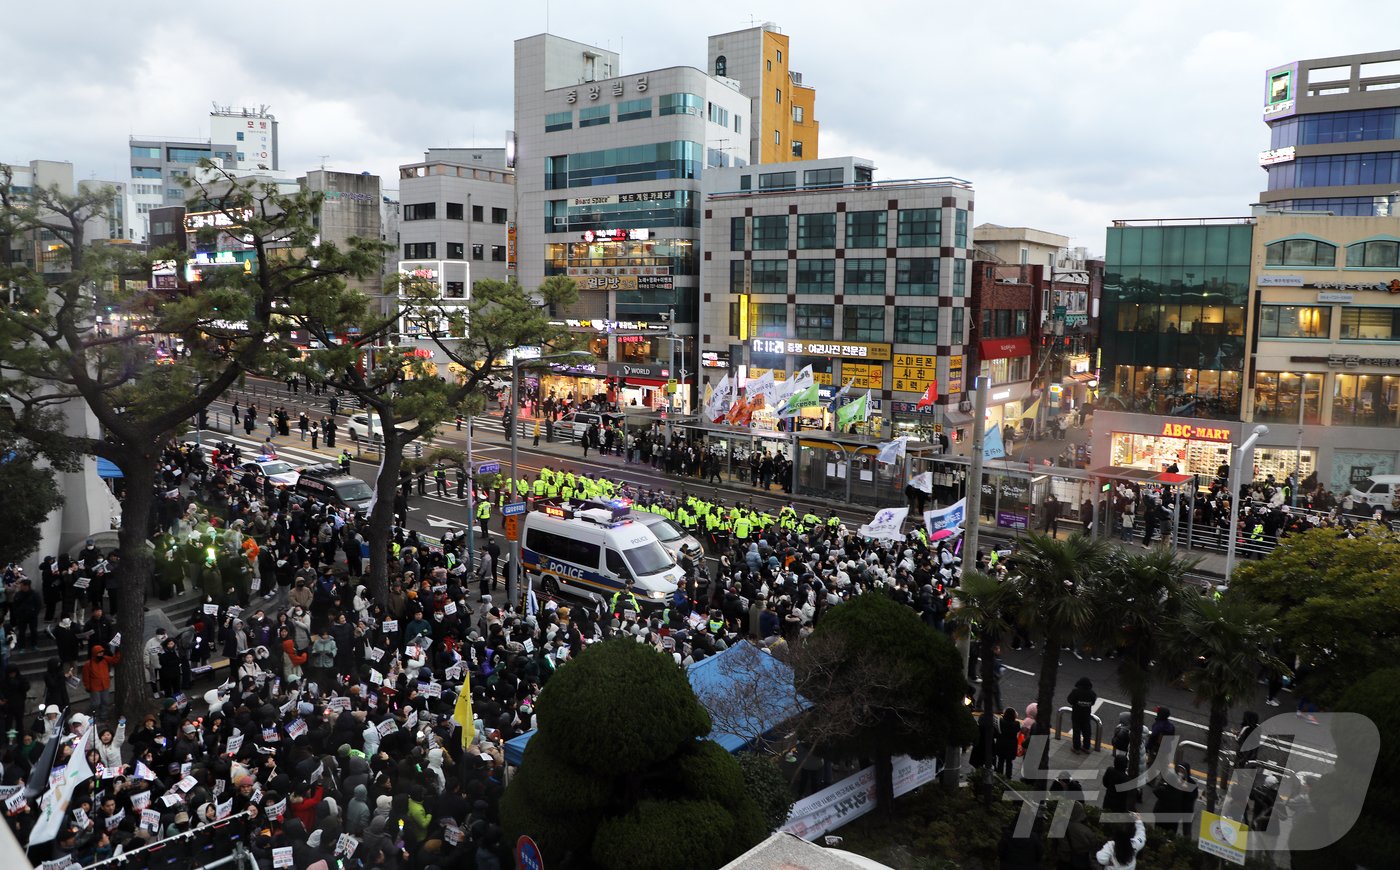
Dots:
{"x": 591, "y": 549}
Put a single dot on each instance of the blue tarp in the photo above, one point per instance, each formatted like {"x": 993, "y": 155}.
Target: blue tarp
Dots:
{"x": 107, "y": 469}
{"x": 710, "y": 678}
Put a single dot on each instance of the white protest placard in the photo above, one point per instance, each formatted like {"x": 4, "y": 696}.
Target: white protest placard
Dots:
{"x": 391, "y": 626}
{"x": 319, "y": 772}
{"x": 139, "y": 801}
{"x": 80, "y": 817}
{"x": 59, "y": 864}
{"x": 150, "y": 821}
{"x": 187, "y": 783}
{"x": 432, "y": 690}
{"x": 270, "y": 735}
{"x": 115, "y": 819}
{"x": 235, "y": 743}
{"x": 105, "y": 772}
{"x": 256, "y": 796}
{"x": 374, "y": 653}
{"x": 282, "y": 856}
{"x": 116, "y": 641}
{"x": 453, "y": 674}
{"x": 376, "y": 677}
{"x": 411, "y": 720}
{"x": 143, "y": 772}
{"x": 220, "y": 786}
{"x": 170, "y": 799}
{"x": 56, "y": 775}
{"x": 15, "y": 802}
{"x": 286, "y": 708}
{"x": 223, "y": 810}
{"x": 275, "y": 811}
{"x": 297, "y": 728}
{"x": 449, "y": 608}
{"x": 346, "y": 845}
{"x": 342, "y": 704}
{"x": 7, "y": 790}
{"x": 853, "y": 797}
{"x": 452, "y": 834}
{"x": 81, "y": 582}
{"x": 529, "y": 645}
{"x": 234, "y": 612}
{"x": 186, "y": 768}
{"x": 387, "y": 727}
{"x": 211, "y": 608}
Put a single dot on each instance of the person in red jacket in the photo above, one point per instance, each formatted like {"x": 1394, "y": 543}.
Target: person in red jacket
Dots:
{"x": 97, "y": 679}
{"x": 303, "y": 806}
{"x": 292, "y": 660}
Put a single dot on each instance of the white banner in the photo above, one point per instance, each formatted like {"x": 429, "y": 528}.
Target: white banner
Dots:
{"x": 762, "y": 387}
{"x": 853, "y": 797}
{"x": 893, "y": 451}
{"x": 887, "y": 525}
{"x": 923, "y": 482}
{"x": 950, "y": 517}
{"x": 55, "y": 804}
{"x": 719, "y": 400}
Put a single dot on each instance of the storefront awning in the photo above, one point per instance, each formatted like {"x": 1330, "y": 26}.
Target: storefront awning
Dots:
{"x": 1083, "y": 377}
{"x": 107, "y": 469}
{"x": 1141, "y": 475}
{"x": 1003, "y": 348}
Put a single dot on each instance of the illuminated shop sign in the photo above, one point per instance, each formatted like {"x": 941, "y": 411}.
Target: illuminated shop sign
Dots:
{"x": 203, "y": 219}
{"x": 634, "y": 235}
{"x": 1201, "y": 433}
{"x": 857, "y": 350}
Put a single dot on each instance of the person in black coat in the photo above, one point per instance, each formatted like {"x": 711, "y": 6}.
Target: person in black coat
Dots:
{"x": 1082, "y": 699}
{"x": 55, "y": 685}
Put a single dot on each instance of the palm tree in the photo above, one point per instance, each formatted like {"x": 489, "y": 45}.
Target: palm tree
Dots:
{"x": 981, "y": 604}
{"x": 1132, "y": 603}
{"x": 1224, "y": 643}
{"x": 1050, "y": 577}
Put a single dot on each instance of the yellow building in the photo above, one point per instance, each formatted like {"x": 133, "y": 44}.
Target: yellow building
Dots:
{"x": 782, "y": 122}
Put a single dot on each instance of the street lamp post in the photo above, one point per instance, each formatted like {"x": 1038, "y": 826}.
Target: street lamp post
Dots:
{"x": 513, "y": 575}
{"x": 1239, "y": 457}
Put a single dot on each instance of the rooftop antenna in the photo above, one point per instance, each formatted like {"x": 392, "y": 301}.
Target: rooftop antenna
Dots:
{"x": 323, "y": 162}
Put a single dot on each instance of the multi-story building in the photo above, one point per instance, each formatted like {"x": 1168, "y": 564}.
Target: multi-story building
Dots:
{"x": 41, "y": 250}
{"x": 455, "y": 215}
{"x": 350, "y": 208}
{"x": 782, "y": 125}
{"x": 608, "y": 176}
{"x": 1003, "y": 336}
{"x": 814, "y": 263}
{"x": 1334, "y": 134}
{"x": 253, "y": 133}
{"x": 242, "y": 140}
{"x": 1173, "y": 343}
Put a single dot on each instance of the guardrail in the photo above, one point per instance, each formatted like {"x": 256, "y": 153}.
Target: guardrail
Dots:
{"x": 1060, "y": 727}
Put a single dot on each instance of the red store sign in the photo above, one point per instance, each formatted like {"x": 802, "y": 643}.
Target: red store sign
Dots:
{"x": 1003, "y": 348}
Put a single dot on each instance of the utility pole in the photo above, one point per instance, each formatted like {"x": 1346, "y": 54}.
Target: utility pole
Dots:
{"x": 1241, "y": 453}
{"x": 471, "y": 496}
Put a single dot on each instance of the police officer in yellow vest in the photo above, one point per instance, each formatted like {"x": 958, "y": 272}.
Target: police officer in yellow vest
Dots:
{"x": 742, "y": 527}
{"x": 624, "y": 600}
{"x": 483, "y": 516}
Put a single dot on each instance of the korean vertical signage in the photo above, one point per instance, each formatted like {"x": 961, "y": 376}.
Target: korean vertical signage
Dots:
{"x": 913, "y": 372}
{"x": 955, "y": 375}
{"x": 510, "y": 247}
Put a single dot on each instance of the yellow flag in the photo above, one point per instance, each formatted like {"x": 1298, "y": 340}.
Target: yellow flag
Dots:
{"x": 462, "y": 714}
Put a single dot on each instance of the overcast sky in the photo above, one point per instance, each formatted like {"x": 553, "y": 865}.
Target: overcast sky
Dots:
{"x": 1063, "y": 115}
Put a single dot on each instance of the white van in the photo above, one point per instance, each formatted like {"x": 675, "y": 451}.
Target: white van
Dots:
{"x": 1378, "y": 491}
{"x": 591, "y": 549}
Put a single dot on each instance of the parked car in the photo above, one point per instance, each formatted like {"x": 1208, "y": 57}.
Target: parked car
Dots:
{"x": 279, "y": 471}
{"x": 358, "y": 426}
{"x": 575, "y": 423}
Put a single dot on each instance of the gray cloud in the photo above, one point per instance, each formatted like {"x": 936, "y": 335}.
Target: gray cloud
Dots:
{"x": 1065, "y": 116}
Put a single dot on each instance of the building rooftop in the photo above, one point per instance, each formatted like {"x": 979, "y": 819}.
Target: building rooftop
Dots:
{"x": 889, "y": 184}
{"x": 1183, "y": 222}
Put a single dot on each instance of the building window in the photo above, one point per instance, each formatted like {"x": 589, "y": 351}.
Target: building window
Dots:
{"x": 960, "y": 228}
{"x": 145, "y": 172}
{"x": 916, "y": 325}
{"x": 498, "y": 253}
{"x": 1370, "y": 324}
{"x": 738, "y": 123}
{"x": 779, "y": 53}
{"x": 815, "y": 321}
{"x": 770, "y": 320}
{"x": 455, "y": 211}
{"x": 1373, "y": 255}
{"x": 175, "y": 193}
{"x": 770, "y": 232}
{"x": 721, "y": 66}
{"x": 797, "y": 114}
{"x": 865, "y": 229}
{"x": 719, "y": 115}
{"x": 920, "y": 228}
{"x": 1300, "y": 252}
{"x": 594, "y": 116}
{"x": 777, "y": 181}
{"x": 816, "y": 231}
{"x": 239, "y": 136}
{"x": 651, "y": 162}
{"x": 777, "y": 137}
{"x": 834, "y": 177}
{"x": 556, "y": 121}
{"x": 141, "y": 151}
{"x": 499, "y": 215}
{"x": 1294, "y": 321}
{"x": 478, "y": 252}
{"x": 478, "y": 213}
{"x": 865, "y": 277}
{"x": 796, "y": 148}
{"x": 816, "y": 276}
{"x": 1023, "y": 320}
{"x": 420, "y": 211}
{"x": 916, "y": 276}
{"x": 746, "y": 182}
{"x": 186, "y": 155}
{"x": 736, "y": 234}
{"x": 956, "y": 333}
{"x": 456, "y": 250}
{"x": 634, "y": 110}
{"x": 768, "y": 66}
{"x": 680, "y": 104}
{"x": 1365, "y": 400}
{"x": 959, "y": 277}
{"x": 456, "y": 289}
{"x": 769, "y": 276}
{"x": 778, "y": 96}
{"x": 863, "y": 323}
{"x": 420, "y": 251}
{"x": 1276, "y": 397}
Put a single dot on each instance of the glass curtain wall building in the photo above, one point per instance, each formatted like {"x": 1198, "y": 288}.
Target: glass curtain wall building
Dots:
{"x": 1173, "y": 318}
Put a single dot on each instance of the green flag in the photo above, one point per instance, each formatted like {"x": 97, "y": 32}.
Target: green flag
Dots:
{"x": 853, "y": 412}
{"x": 807, "y": 397}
